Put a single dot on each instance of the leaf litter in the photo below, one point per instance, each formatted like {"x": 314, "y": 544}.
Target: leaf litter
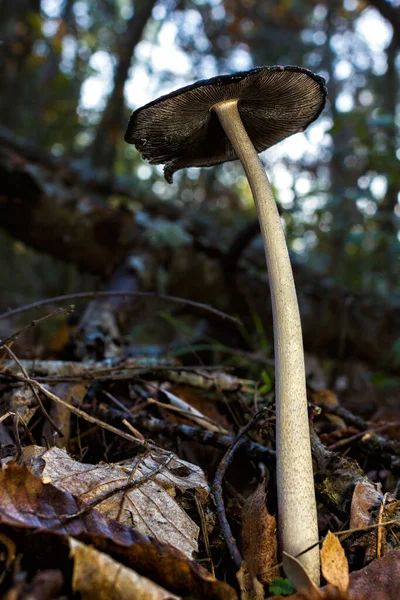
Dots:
{"x": 139, "y": 493}
{"x": 106, "y": 514}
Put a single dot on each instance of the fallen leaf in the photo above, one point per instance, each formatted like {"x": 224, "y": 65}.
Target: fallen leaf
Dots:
{"x": 365, "y": 502}
{"x": 334, "y": 565}
{"x": 299, "y": 578}
{"x": 380, "y": 580}
{"x": 259, "y": 541}
{"x": 149, "y": 507}
{"x": 28, "y": 503}
{"x": 97, "y": 576}
{"x": 366, "y": 497}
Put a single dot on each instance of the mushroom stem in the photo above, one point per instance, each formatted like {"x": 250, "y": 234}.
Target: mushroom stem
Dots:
{"x": 295, "y": 482}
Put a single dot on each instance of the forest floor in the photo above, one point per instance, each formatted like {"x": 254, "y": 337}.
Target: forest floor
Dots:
{"x": 127, "y": 476}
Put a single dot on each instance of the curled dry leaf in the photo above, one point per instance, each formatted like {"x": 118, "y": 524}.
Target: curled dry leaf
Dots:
{"x": 366, "y": 497}
{"x": 29, "y": 504}
{"x": 365, "y": 503}
{"x": 334, "y": 565}
{"x": 259, "y": 541}
{"x": 97, "y": 576}
{"x": 300, "y": 579}
{"x": 149, "y": 506}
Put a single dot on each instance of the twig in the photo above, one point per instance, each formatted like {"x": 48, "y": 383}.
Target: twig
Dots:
{"x": 202, "y": 436}
{"x": 86, "y": 295}
{"x": 34, "y": 391}
{"x": 361, "y": 434}
{"x": 59, "y": 311}
{"x": 347, "y": 416}
{"x": 204, "y": 531}
{"x": 135, "y": 431}
{"x": 81, "y": 413}
{"x": 24, "y": 425}
{"x": 217, "y": 491}
{"x": 117, "y": 402}
{"x": 380, "y": 529}
{"x": 156, "y": 372}
{"x": 348, "y": 532}
{"x": 95, "y": 369}
{"x": 189, "y": 413}
{"x": 16, "y": 436}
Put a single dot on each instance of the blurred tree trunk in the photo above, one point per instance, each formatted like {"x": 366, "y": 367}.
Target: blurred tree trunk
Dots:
{"x": 342, "y": 207}
{"x": 48, "y": 71}
{"x": 388, "y": 244}
{"x": 103, "y": 149}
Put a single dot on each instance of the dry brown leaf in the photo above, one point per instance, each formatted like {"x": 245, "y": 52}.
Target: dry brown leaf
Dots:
{"x": 365, "y": 500}
{"x": 299, "y": 578}
{"x": 150, "y": 507}
{"x": 97, "y": 576}
{"x": 29, "y": 504}
{"x": 334, "y": 565}
{"x": 259, "y": 541}
{"x": 366, "y": 497}
{"x": 380, "y": 580}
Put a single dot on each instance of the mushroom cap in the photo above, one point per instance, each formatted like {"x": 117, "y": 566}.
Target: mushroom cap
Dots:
{"x": 181, "y": 129}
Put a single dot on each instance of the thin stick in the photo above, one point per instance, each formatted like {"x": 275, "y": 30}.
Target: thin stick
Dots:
{"x": 361, "y": 434}
{"x": 86, "y": 295}
{"x": 34, "y": 391}
{"x": 207, "y": 438}
{"x": 24, "y": 425}
{"x": 81, "y": 413}
{"x": 203, "y": 421}
{"x": 203, "y": 523}
{"x": 217, "y": 491}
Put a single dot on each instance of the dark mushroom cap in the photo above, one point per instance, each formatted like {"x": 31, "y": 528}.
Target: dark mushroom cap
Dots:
{"x": 181, "y": 130}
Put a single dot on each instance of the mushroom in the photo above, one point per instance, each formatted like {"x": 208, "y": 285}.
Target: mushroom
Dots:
{"x": 238, "y": 116}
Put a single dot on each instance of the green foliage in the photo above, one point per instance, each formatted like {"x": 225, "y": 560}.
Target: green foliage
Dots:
{"x": 281, "y": 587}
{"x": 267, "y": 385}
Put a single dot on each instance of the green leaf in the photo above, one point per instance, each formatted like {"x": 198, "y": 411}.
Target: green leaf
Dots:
{"x": 281, "y": 586}
{"x": 267, "y": 386}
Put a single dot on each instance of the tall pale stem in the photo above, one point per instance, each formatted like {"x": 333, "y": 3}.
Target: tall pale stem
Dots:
{"x": 295, "y": 482}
